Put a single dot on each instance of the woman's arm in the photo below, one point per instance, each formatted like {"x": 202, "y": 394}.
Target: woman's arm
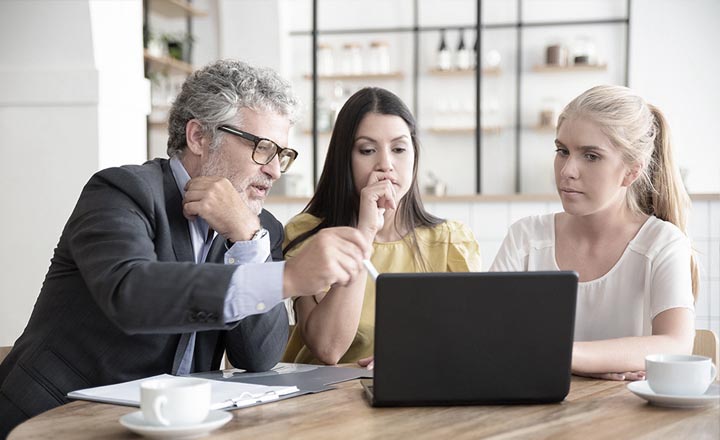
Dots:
{"x": 328, "y": 327}
{"x": 329, "y": 322}
{"x": 673, "y": 332}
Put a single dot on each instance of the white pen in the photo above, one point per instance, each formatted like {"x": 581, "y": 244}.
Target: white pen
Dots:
{"x": 371, "y": 269}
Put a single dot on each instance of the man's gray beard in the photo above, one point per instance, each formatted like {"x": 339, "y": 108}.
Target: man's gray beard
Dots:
{"x": 216, "y": 167}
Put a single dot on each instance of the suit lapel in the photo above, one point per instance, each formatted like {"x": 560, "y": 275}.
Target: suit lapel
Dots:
{"x": 216, "y": 254}
{"x": 182, "y": 245}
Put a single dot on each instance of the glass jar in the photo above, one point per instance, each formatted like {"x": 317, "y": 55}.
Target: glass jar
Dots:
{"x": 583, "y": 52}
{"x": 549, "y": 113}
{"x": 325, "y": 62}
{"x": 352, "y": 57}
{"x": 379, "y": 57}
{"x": 556, "y": 54}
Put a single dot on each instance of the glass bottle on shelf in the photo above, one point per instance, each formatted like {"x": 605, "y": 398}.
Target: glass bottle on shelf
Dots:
{"x": 462, "y": 56}
{"x": 443, "y": 55}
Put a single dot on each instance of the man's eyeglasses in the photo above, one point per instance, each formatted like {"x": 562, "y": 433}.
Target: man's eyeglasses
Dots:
{"x": 265, "y": 150}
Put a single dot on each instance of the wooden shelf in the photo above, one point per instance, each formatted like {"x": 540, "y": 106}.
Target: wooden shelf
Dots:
{"x": 391, "y": 75}
{"x": 494, "y": 71}
{"x": 320, "y": 133}
{"x": 167, "y": 63}
{"x": 544, "y": 128}
{"x": 187, "y": 7}
{"x": 544, "y": 68}
{"x": 464, "y": 130}
{"x": 525, "y": 197}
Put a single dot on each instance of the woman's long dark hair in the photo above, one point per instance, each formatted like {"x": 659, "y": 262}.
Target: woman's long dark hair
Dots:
{"x": 336, "y": 202}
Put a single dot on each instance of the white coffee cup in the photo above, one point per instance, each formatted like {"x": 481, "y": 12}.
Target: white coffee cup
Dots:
{"x": 175, "y": 401}
{"x": 679, "y": 375}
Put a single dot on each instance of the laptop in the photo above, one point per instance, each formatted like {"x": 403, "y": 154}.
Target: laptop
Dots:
{"x": 472, "y": 338}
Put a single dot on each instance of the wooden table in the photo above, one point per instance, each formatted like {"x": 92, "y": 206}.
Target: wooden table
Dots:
{"x": 594, "y": 409}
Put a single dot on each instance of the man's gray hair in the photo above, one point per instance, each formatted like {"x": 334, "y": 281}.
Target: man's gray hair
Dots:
{"x": 214, "y": 94}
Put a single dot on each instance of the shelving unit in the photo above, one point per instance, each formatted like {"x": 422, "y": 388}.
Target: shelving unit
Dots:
{"x": 167, "y": 63}
{"x": 187, "y": 7}
{"x": 496, "y": 71}
{"x": 170, "y": 70}
{"x": 364, "y": 76}
{"x": 464, "y": 130}
{"x": 521, "y": 70}
{"x": 540, "y": 68}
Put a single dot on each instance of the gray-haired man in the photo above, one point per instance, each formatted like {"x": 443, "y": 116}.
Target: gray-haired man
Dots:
{"x": 125, "y": 297}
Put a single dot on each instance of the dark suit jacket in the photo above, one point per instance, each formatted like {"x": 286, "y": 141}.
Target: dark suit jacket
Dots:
{"x": 122, "y": 287}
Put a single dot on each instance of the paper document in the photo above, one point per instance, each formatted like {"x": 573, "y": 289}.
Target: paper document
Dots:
{"x": 224, "y": 394}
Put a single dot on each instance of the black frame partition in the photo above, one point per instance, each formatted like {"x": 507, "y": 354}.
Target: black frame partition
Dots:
{"x": 519, "y": 25}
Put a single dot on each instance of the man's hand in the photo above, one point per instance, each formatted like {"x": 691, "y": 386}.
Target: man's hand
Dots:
{"x": 226, "y": 211}
{"x": 332, "y": 256}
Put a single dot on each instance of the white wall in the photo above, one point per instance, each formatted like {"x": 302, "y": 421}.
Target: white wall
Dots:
{"x": 72, "y": 101}
{"x": 67, "y": 107}
{"x": 489, "y": 221}
{"x": 674, "y": 64}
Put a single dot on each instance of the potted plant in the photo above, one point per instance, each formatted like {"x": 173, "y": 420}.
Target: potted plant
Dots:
{"x": 178, "y": 45}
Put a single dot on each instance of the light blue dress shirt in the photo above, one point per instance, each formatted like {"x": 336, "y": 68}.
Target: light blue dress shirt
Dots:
{"x": 256, "y": 286}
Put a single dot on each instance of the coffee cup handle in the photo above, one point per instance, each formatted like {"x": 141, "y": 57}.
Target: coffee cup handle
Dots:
{"x": 713, "y": 372}
{"x": 157, "y": 407}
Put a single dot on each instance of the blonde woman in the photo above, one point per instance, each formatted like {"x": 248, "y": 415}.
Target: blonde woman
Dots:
{"x": 622, "y": 230}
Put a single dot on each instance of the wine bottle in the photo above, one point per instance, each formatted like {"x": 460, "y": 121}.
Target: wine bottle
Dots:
{"x": 462, "y": 60}
{"x": 443, "y": 55}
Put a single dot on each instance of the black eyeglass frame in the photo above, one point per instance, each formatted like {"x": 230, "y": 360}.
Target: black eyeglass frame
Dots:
{"x": 292, "y": 154}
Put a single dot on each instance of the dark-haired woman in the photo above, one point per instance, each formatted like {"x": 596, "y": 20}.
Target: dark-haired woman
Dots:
{"x": 369, "y": 181}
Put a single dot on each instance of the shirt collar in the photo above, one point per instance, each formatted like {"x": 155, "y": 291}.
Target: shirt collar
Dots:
{"x": 181, "y": 179}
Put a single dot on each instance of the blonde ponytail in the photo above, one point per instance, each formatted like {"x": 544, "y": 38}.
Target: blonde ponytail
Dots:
{"x": 640, "y": 132}
{"x": 669, "y": 199}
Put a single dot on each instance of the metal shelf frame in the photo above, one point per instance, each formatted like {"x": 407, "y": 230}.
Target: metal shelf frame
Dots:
{"x": 416, "y": 29}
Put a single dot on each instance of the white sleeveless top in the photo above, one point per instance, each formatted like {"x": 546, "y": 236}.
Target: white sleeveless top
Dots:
{"x": 651, "y": 276}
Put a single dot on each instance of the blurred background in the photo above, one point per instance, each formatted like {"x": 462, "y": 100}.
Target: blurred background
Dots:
{"x": 87, "y": 84}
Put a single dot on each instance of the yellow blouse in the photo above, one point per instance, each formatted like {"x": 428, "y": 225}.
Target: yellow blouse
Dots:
{"x": 447, "y": 247}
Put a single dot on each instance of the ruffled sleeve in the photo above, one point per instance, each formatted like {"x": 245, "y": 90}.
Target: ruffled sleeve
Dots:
{"x": 463, "y": 249}
{"x": 297, "y": 226}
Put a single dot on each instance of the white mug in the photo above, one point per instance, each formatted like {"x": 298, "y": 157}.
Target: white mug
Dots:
{"x": 175, "y": 401}
{"x": 679, "y": 375}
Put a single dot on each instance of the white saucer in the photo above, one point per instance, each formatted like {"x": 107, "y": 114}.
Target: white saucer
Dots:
{"x": 136, "y": 423}
{"x": 642, "y": 389}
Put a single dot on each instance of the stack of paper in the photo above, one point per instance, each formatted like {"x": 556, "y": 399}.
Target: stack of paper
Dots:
{"x": 224, "y": 394}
